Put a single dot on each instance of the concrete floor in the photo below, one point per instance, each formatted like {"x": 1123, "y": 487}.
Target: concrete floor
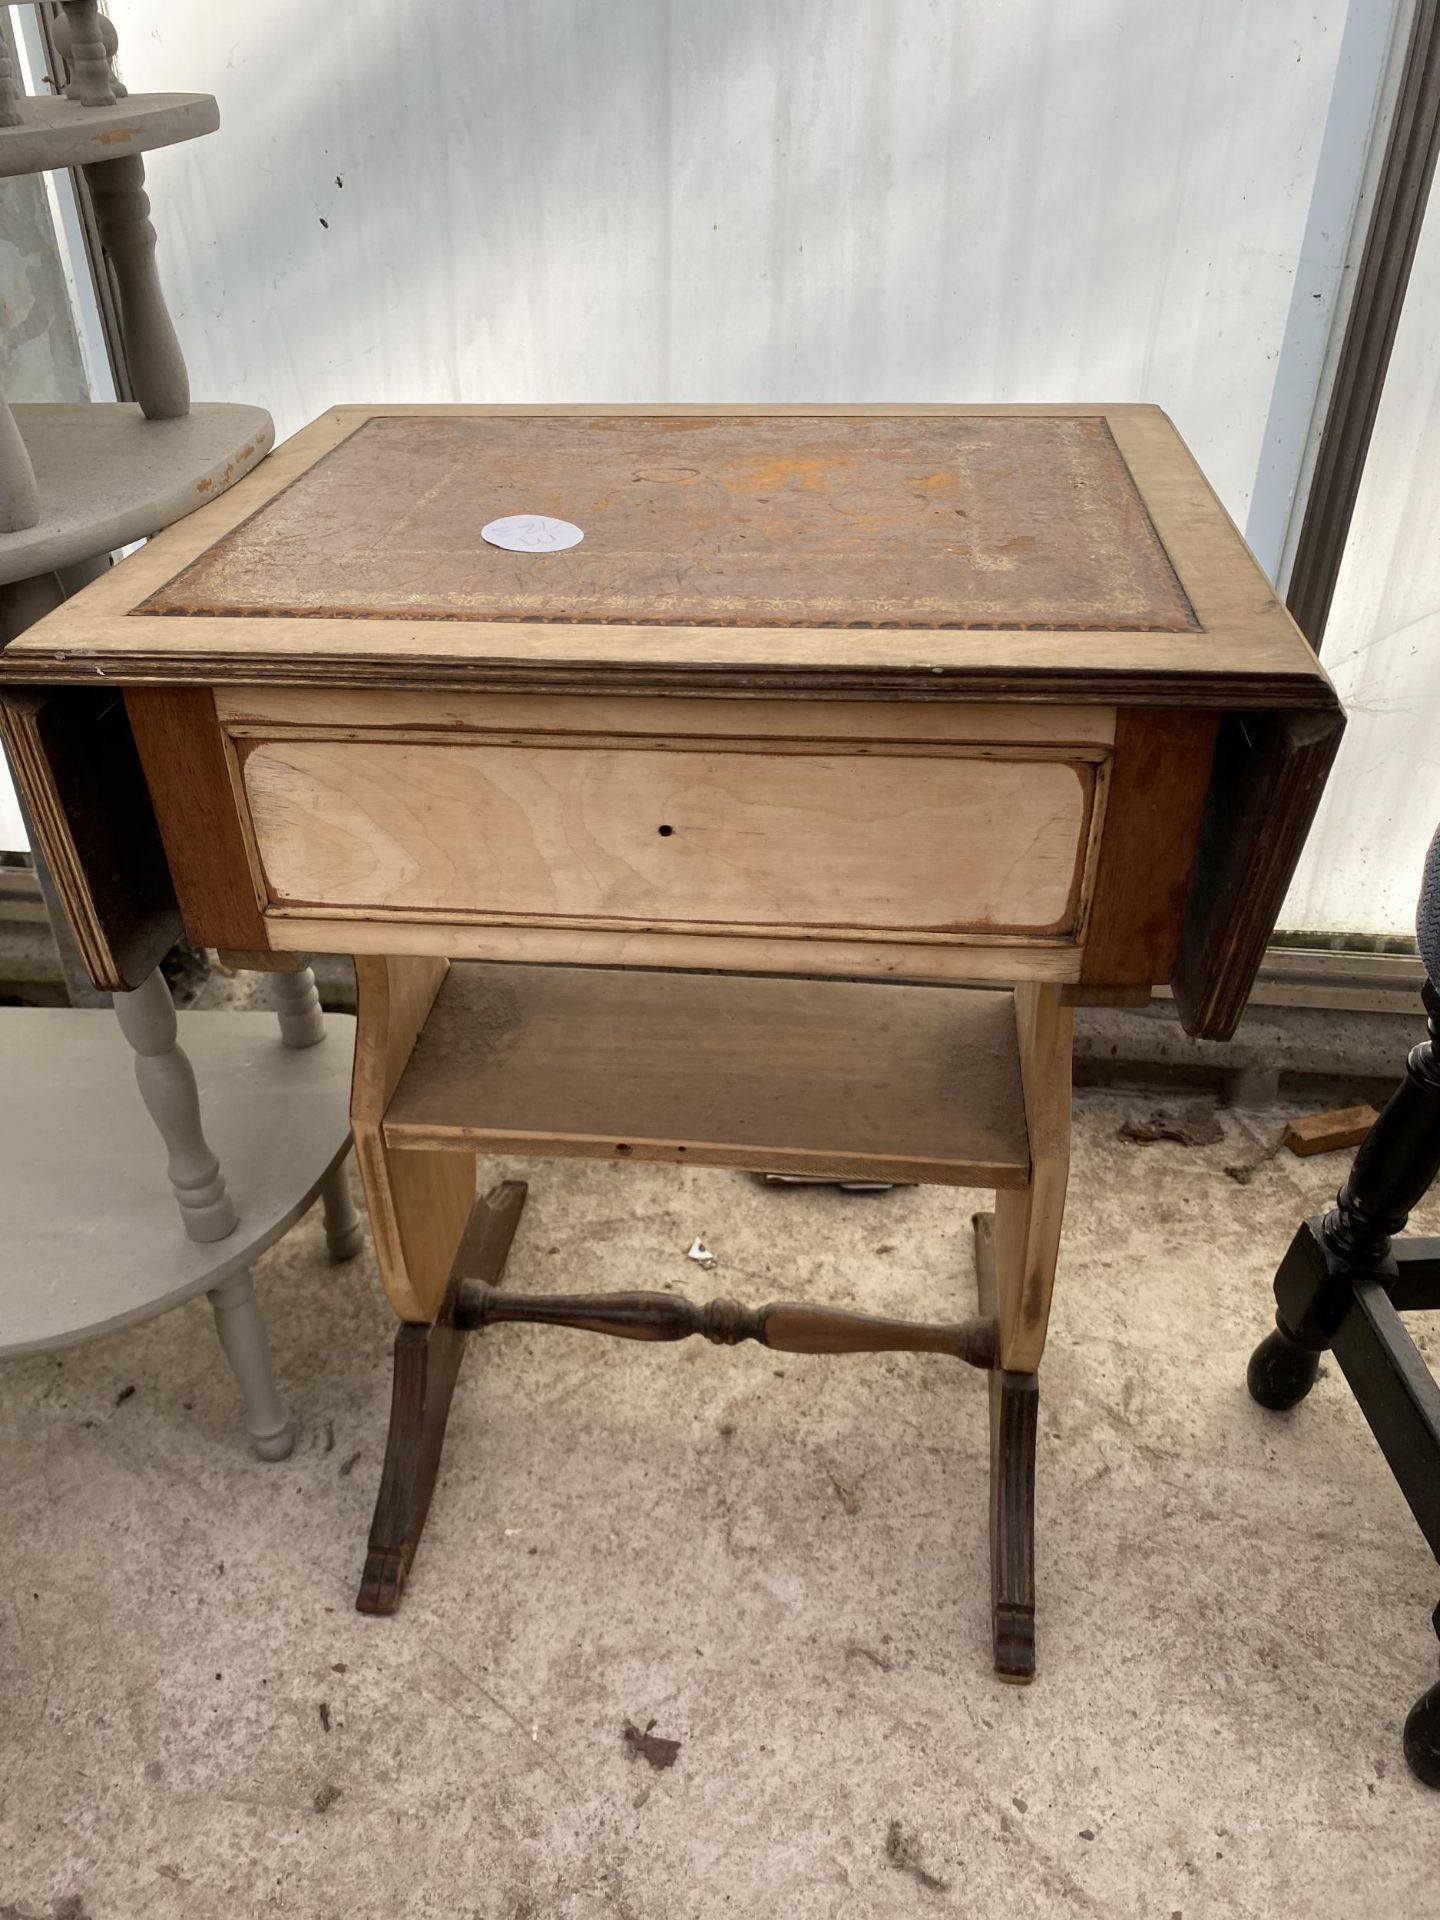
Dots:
{"x": 780, "y": 1562}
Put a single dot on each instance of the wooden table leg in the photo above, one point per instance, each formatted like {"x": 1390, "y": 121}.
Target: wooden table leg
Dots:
{"x": 427, "y": 1363}
{"x": 1014, "y": 1411}
{"x": 418, "y": 1199}
{"x": 1015, "y": 1254}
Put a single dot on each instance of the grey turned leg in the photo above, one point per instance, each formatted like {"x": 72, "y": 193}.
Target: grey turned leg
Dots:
{"x": 167, "y": 1086}
{"x": 122, "y": 215}
{"x": 344, "y": 1229}
{"x": 241, "y": 1329}
{"x": 19, "y": 495}
{"x": 302, "y": 1024}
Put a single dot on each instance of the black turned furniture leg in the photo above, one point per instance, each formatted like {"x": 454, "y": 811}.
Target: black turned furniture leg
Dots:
{"x": 1014, "y": 1423}
{"x": 1341, "y": 1288}
{"x": 427, "y": 1362}
{"x": 1281, "y": 1371}
{"x": 1422, "y": 1737}
{"x": 1396, "y": 1165}
{"x": 1422, "y": 1732}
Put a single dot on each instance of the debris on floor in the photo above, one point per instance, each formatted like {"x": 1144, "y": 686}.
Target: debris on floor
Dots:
{"x": 701, "y": 1255}
{"x": 1244, "y": 1171}
{"x": 649, "y": 1746}
{"x": 856, "y": 1651}
{"x": 326, "y": 1797}
{"x": 1195, "y": 1125}
{"x": 902, "y": 1850}
{"x": 1328, "y": 1132}
{"x": 847, "y": 1495}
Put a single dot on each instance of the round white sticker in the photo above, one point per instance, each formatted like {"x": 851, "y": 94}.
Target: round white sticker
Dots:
{"x": 531, "y": 533}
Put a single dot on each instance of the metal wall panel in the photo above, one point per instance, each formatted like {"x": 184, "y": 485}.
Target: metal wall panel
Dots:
{"x": 1361, "y": 868}
{"x": 771, "y": 199}
{"x": 778, "y": 199}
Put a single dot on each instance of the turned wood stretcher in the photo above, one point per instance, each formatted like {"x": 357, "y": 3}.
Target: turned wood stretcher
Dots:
{"x": 780, "y": 824}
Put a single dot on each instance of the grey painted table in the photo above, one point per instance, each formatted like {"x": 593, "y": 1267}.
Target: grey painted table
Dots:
{"x": 88, "y": 1216}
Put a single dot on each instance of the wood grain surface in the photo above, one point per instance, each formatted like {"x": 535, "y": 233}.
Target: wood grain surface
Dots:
{"x": 1004, "y": 958}
{"x": 1158, "y": 783}
{"x": 419, "y": 1203}
{"x": 201, "y": 823}
{"x": 365, "y": 712}
{"x": 785, "y": 1326}
{"x": 806, "y": 1076}
{"x": 1028, "y": 1220}
{"x": 626, "y": 835}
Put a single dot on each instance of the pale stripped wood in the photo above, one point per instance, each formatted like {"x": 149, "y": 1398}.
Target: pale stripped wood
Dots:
{"x": 1028, "y": 1220}
{"x": 345, "y": 712}
{"x": 993, "y": 959}
{"x": 633, "y": 836}
{"x": 419, "y": 1203}
{"x": 823, "y": 1077}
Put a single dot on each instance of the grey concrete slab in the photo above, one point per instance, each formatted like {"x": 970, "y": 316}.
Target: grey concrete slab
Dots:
{"x": 781, "y": 1562}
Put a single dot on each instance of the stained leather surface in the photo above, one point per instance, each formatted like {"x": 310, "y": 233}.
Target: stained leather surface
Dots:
{"x": 974, "y": 521}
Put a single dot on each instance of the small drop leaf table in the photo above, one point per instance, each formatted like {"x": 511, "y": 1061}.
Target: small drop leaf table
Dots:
{"x": 780, "y": 823}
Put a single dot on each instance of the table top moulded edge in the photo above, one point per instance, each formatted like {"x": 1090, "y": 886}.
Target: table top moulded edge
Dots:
{"x": 1279, "y": 718}
{"x": 1247, "y": 652}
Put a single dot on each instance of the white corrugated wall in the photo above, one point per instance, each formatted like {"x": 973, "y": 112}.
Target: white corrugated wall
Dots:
{"x": 784, "y": 199}
{"x": 1361, "y": 868}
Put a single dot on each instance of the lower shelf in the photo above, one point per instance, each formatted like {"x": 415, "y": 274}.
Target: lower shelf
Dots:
{"x": 830, "y": 1077}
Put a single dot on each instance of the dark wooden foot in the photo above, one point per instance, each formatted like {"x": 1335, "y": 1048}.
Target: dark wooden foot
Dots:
{"x": 1422, "y": 1737}
{"x": 427, "y": 1363}
{"x": 1014, "y": 1412}
{"x": 1014, "y": 1407}
{"x": 1281, "y": 1372}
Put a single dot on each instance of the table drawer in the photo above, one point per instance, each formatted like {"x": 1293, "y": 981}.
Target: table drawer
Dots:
{"x": 864, "y": 823}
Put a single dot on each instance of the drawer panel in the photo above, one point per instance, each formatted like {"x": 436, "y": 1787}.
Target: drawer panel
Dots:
{"x": 887, "y": 839}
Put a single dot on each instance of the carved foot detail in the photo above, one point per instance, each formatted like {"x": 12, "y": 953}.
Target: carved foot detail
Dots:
{"x": 427, "y": 1364}
{"x": 383, "y": 1581}
{"x": 1014, "y": 1411}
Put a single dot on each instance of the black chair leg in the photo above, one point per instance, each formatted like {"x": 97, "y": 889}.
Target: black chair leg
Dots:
{"x": 1340, "y": 1289}
{"x": 1422, "y": 1737}
{"x": 1281, "y": 1371}
{"x": 1422, "y": 1731}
